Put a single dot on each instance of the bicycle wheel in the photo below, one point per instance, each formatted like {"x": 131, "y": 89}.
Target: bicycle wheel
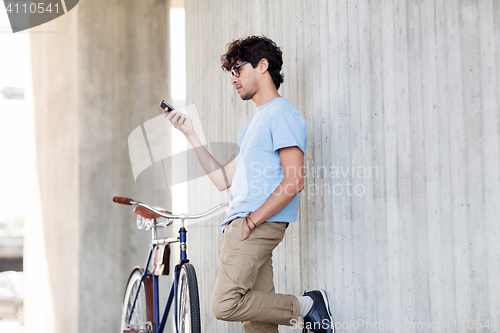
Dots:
{"x": 188, "y": 304}
{"x": 142, "y": 315}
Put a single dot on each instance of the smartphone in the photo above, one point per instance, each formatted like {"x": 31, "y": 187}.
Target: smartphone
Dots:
{"x": 164, "y": 105}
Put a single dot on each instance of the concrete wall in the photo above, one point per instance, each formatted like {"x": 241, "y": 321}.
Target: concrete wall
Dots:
{"x": 408, "y": 90}
{"x": 98, "y": 72}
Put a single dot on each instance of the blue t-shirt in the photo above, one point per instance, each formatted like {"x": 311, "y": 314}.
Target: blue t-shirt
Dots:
{"x": 277, "y": 124}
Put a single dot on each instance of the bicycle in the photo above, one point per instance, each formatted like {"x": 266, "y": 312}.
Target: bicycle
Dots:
{"x": 140, "y": 308}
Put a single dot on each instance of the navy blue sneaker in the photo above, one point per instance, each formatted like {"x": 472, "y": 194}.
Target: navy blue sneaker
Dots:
{"x": 319, "y": 319}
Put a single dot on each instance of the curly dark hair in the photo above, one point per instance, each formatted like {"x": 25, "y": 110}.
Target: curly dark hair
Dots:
{"x": 253, "y": 49}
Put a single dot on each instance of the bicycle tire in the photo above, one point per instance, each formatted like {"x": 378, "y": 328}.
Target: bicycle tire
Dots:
{"x": 188, "y": 301}
{"x": 143, "y": 316}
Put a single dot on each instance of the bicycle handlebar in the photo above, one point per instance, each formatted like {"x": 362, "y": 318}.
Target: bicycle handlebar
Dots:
{"x": 122, "y": 200}
{"x": 131, "y": 202}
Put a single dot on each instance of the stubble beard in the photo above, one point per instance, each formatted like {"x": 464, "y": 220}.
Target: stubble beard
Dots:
{"x": 250, "y": 92}
{"x": 247, "y": 96}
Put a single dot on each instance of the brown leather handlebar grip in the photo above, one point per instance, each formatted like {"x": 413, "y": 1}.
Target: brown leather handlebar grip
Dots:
{"x": 122, "y": 200}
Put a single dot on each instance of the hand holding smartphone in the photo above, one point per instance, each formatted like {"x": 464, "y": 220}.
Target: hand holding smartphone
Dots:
{"x": 164, "y": 106}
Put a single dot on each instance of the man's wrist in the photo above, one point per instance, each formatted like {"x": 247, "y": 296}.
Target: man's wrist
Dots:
{"x": 191, "y": 137}
{"x": 251, "y": 221}
{"x": 245, "y": 221}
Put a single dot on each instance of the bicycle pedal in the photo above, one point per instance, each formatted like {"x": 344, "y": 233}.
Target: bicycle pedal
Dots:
{"x": 147, "y": 329}
{"x": 138, "y": 331}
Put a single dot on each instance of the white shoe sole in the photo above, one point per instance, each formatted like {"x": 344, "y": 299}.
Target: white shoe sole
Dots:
{"x": 325, "y": 299}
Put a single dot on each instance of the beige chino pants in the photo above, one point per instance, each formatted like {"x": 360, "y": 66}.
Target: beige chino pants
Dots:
{"x": 244, "y": 289}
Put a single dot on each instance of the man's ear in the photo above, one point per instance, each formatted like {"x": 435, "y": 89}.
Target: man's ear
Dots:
{"x": 263, "y": 65}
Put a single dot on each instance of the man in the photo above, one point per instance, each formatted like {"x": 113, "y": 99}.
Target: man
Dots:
{"x": 266, "y": 178}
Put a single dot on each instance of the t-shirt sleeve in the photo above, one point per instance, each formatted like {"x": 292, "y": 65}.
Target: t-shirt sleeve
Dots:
{"x": 289, "y": 129}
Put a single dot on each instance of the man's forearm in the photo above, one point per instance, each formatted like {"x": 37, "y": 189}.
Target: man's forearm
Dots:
{"x": 210, "y": 165}
{"x": 282, "y": 195}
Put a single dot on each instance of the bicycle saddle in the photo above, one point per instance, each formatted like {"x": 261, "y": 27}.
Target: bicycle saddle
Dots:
{"x": 148, "y": 214}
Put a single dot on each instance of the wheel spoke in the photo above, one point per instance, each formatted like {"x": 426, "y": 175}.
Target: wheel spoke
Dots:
{"x": 139, "y": 319}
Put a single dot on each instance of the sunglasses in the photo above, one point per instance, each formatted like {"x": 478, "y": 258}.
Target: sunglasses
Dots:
{"x": 235, "y": 72}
